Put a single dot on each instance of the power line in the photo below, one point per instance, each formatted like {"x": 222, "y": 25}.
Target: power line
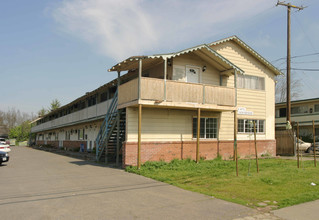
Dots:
{"x": 302, "y": 69}
{"x": 313, "y": 61}
{"x": 305, "y": 69}
{"x": 298, "y": 56}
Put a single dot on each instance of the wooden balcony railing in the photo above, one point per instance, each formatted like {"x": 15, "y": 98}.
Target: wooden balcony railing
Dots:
{"x": 154, "y": 89}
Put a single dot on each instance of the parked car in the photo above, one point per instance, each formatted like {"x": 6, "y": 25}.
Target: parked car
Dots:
{"x": 310, "y": 149}
{"x": 5, "y": 147}
{"x": 4, "y": 157}
{"x": 2, "y": 141}
{"x": 303, "y": 146}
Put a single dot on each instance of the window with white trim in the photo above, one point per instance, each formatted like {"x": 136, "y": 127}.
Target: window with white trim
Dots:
{"x": 299, "y": 109}
{"x": 208, "y": 128}
{"x": 247, "y": 126}
{"x": 250, "y": 82}
{"x": 81, "y": 134}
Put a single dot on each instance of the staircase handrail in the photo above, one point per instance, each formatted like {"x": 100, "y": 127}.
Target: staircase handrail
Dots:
{"x": 103, "y": 130}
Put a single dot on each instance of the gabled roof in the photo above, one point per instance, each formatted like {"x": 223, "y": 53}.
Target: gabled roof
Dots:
{"x": 250, "y": 50}
{"x": 132, "y": 62}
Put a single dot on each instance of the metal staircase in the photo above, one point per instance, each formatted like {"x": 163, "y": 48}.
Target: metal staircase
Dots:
{"x": 106, "y": 141}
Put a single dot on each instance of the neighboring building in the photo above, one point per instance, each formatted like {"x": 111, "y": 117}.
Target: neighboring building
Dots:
{"x": 302, "y": 111}
{"x": 4, "y": 131}
{"x": 167, "y": 92}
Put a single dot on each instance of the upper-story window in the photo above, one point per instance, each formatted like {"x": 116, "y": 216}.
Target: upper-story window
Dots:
{"x": 250, "y": 82}
{"x": 299, "y": 109}
{"x": 316, "y": 107}
{"x": 91, "y": 101}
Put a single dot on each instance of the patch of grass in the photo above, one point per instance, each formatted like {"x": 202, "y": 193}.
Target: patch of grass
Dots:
{"x": 278, "y": 180}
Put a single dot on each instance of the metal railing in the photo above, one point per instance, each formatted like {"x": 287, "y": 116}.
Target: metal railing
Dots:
{"x": 106, "y": 127}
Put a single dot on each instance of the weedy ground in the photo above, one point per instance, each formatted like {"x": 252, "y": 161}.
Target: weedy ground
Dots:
{"x": 279, "y": 182}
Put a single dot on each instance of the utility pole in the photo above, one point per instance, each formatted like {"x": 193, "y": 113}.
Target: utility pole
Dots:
{"x": 289, "y": 6}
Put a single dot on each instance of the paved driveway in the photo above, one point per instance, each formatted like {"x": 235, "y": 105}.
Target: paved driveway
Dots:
{"x": 42, "y": 185}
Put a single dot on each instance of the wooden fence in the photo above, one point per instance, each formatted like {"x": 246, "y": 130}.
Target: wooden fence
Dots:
{"x": 285, "y": 142}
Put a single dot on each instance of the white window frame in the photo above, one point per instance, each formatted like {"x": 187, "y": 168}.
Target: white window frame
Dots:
{"x": 257, "y": 126}
{"x": 205, "y": 135}
{"x": 246, "y": 77}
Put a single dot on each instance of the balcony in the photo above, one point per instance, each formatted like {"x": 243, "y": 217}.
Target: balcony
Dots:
{"x": 85, "y": 115}
{"x": 178, "y": 95}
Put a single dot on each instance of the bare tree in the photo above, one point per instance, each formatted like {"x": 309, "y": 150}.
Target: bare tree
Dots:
{"x": 13, "y": 117}
{"x": 281, "y": 88}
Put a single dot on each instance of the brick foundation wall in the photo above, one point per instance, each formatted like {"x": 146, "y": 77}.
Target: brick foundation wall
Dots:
{"x": 167, "y": 151}
{"x": 74, "y": 144}
{"x": 66, "y": 144}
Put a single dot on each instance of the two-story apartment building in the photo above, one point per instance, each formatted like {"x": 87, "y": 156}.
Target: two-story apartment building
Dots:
{"x": 305, "y": 112}
{"x": 164, "y": 102}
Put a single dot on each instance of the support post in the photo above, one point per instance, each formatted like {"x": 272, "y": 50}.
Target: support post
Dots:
{"x": 139, "y": 115}
{"x": 298, "y": 144}
{"x": 314, "y": 142}
{"x": 139, "y": 78}
{"x": 198, "y": 135}
{"x": 139, "y": 136}
{"x": 118, "y": 122}
{"x": 165, "y": 77}
{"x": 235, "y": 141}
{"x": 255, "y": 138}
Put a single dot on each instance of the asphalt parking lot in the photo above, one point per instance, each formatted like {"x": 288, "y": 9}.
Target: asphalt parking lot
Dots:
{"x": 42, "y": 185}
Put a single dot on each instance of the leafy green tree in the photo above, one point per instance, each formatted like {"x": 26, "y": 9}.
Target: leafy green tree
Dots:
{"x": 55, "y": 104}
{"x": 42, "y": 112}
{"x": 21, "y": 132}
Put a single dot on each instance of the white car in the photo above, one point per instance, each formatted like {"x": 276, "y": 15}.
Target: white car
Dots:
{"x": 303, "y": 146}
{"x": 5, "y": 147}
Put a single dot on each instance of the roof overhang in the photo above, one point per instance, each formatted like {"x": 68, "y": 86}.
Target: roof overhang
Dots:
{"x": 204, "y": 51}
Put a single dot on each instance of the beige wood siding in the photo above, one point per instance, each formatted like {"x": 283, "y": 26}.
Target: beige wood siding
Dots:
{"x": 156, "y": 71}
{"x": 226, "y": 131}
{"x": 261, "y": 103}
{"x": 210, "y": 76}
{"x": 162, "y": 124}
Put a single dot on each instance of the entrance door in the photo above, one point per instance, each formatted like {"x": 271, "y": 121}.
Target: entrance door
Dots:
{"x": 192, "y": 74}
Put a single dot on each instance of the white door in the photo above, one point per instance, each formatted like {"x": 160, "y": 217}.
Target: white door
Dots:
{"x": 192, "y": 74}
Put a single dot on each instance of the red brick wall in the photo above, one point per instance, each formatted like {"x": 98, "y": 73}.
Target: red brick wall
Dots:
{"x": 66, "y": 144}
{"x": 39, "y": 142}
{"x": 74, "y": 144}
{"x": 52, "y": 143}
{"x": 167, "y": 151}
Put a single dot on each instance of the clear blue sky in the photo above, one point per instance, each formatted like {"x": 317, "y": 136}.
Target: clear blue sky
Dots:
{"x": 62, "y": 49}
